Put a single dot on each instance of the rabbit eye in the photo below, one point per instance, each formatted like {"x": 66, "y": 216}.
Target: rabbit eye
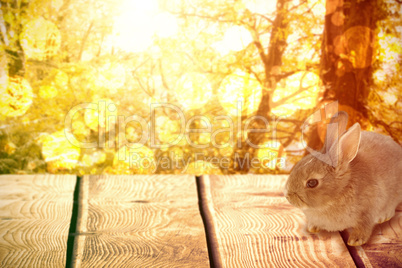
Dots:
{"x": 312, "y": 183}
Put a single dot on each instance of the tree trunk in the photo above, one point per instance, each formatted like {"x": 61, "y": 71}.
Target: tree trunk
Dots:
{"x": 346, "y": 59}
{"x": 272, "y": 60}
{"x": 14, "y": 52}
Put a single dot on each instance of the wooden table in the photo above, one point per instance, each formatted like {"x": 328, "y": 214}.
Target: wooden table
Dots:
{"x": 171, "y": 221}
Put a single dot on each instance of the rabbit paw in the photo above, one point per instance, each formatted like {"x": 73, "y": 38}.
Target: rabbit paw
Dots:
{"x": 358, "y": 238}
{"x": 383, "y": 219}
{"x": 386, "y": 217}
{"x": 312, "y": 229}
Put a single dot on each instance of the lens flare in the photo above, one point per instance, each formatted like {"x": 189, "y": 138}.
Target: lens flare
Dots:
{"x": 16, "y": 99}
{"x": 136, "y": 159}
{"x": 193, "y": 90}
{"x": 59, "y": 153}
{"x": 240, "y": 86}
{"x": 40, "y": 39}
{"x": 101, "y": 116}
{"x": 297, "y": 92}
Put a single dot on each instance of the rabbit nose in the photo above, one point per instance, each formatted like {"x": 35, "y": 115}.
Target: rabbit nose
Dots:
{"x": 285, "y": 192}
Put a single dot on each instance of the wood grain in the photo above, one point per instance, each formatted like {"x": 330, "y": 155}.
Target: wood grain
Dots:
{"x": 256, "y": 227}
{"x": 139, "y": 221}
{"x": 35, "y": 213}
{"x": 384, "y": 249}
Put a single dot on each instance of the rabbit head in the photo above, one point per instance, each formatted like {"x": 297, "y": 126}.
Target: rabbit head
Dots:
{"x": 322, "y": 177}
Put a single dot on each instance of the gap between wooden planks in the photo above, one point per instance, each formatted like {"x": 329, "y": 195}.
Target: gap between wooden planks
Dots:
{"x": 254, "y": 226}
{"x": 139, "y": 221}
{"x": 384, "y": 248}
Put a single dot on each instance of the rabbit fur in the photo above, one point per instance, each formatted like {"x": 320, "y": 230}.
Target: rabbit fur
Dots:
{"x": 359, "y": 175}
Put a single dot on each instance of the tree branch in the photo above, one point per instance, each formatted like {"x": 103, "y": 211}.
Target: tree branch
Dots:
{"x": 84, "y": 40}
{"x": 375, "y": 121}
{"x": 164, "y": 82}
{"x": 3, "y": 29}
{"x": 260, "y": 49}
{"x": 62, "y": 10}
{"x": 265, "y": 17}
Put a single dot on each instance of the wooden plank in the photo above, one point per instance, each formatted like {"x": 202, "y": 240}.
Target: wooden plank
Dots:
{"x": 35, "y": 214}
{"x": 255, "y": 226}
{"x": 384, "y": 249}
{"x": 139, "y": 221}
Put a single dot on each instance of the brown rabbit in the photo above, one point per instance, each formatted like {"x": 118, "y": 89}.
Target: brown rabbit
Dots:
{"x": 355, "y": 182}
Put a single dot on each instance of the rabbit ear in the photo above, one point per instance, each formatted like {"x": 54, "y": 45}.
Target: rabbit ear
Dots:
{"x": 335, "y": 129}
{"x": 345, "y": 150}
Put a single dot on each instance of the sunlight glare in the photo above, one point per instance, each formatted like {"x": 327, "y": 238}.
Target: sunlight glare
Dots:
{"x": 168, "y": 130}
{"x": 235, "y": 38}
{"x": 139, "y": 22}
{"x": 261, "y": 6}
{"x": 165, "y": 25}
{"x": 269, "y": 154}
{"x": 317, "y": 7}
{"x": 193, "y": 90}
{"x": 99, "y": 118}
{"x": 111, "y": 76}
{"x": 240, "y": 86}
{"x": 59, "y": 153}
{"x": 390, "y": 97}
{"x": 390, "y": 52}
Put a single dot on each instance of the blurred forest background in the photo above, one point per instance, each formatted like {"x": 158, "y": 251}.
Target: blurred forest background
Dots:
{"x": 284, "y": 59}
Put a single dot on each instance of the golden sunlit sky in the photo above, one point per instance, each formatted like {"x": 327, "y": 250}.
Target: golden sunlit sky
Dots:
{"x": 201, "y": 56}
{"x": 138, "y": 22}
